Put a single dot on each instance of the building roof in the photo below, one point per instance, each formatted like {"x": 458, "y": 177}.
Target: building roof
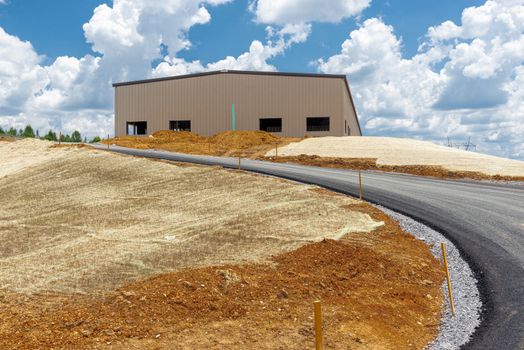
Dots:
{"x": 227, "y": 71}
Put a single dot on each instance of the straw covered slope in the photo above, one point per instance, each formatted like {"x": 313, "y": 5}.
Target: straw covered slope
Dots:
{"x": 390, "y": 151}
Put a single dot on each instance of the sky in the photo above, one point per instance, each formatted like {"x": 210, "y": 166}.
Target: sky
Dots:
{"x": 430, "y": 70}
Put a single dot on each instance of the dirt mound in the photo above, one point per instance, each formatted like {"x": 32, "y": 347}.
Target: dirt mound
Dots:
{"x": 164, "y": 136}
{"x": 227, "y": 143}
{"x": 244, "y": 139}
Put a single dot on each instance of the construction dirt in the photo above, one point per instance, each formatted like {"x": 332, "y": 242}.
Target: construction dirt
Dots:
{"x": 103, "y": 251}
{"x": 228, "y": 143}
{"x": 365, "y": 153}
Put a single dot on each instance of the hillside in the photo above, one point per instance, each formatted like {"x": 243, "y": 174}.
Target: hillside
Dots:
{"x": 99, "y": 250}
{"x": 389, "y": 153}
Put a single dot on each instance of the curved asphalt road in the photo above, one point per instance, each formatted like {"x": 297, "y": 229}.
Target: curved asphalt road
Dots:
{"x": 484, "y": 220}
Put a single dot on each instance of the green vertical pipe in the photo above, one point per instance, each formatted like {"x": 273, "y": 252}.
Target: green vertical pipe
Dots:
{"x": 233, "y": 126}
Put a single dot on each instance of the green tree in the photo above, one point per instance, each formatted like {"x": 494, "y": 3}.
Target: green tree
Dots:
{"x": 65, "y": 138}
{"x": 76, "y": 137}
{"x": 28, "y": 132}
{"x": 2, "y": 132}
{"x": 11, "y": 131}
{"x": 20, "y": 132}
{"x": 96, "y": 139}
{"x": 50, "y": 136}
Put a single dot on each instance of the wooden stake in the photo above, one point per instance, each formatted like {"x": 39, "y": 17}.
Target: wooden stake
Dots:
{"x": 239, "y": 162}
{"x": 451, "y": 303}
{"x": 107, "y": 141}
{"x": 318, "y": 325}
{"x": 59, "y": 138}
{"x": 276, "y": 151}
{"x": 360, "y": 184}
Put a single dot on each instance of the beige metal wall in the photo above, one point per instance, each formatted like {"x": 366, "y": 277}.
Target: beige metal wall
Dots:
{"x": 350, "y": 115}
{"x": 206, "y": 101}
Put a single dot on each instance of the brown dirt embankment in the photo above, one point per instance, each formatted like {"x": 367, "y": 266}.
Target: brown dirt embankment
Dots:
{"x": 203, "y": 258}
{"x": 379, "y": 290}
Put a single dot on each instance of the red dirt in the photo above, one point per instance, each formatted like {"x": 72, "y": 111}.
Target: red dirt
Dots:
{"x": 227, "y": 143}
{"x": 379, "y": 290}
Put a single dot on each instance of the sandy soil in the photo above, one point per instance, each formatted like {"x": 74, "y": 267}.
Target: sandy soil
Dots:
{"x": 203, "y": 258}
{"x": 389, "y": 151}
{"x": 79, "y": 220}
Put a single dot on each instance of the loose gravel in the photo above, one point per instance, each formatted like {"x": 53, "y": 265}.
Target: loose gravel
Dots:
{"x": 455, "y": 331}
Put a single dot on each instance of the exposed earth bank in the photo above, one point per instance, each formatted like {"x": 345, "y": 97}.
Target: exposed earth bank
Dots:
{"x": 119, "y": 252}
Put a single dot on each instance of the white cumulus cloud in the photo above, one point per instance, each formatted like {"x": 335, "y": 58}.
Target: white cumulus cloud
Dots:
{"x": 466, "y": 79}
{"x": 300, "y": 11}
{"x": 76, "y": 93}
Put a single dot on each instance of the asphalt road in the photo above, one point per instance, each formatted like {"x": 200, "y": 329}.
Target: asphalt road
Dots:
{"x": 484, "y": 220}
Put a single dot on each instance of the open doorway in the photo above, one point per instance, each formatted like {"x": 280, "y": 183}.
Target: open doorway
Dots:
{"x": 136, "y": 128}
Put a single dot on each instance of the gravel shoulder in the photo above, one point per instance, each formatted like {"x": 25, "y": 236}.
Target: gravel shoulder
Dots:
{"x": 456, "y": 330}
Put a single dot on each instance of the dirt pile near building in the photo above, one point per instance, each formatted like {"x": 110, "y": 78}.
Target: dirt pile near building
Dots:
{"x": 227, "y": 143}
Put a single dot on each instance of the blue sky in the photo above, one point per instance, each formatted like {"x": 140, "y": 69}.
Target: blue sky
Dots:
{"x": 54, "y": 27}
{"x": 422, "y": 69}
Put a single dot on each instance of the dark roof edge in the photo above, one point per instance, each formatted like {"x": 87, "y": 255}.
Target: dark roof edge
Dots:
{"x": 289, "y": 74}
{"x": 352, "y": 103}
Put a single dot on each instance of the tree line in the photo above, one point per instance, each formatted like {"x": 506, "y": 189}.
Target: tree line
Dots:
{"x": 28, "y": 131}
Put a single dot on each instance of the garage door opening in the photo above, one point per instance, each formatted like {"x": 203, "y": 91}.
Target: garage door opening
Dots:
{"x": 317, "y": 124}
{"x": 180, "y": 125}
{"x": 271, "y": 124}
{"x": 136, "y": 128}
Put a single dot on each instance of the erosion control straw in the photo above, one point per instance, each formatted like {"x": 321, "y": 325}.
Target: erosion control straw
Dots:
{"x": 451, "y": 303}
{"x": 318, "y": 325}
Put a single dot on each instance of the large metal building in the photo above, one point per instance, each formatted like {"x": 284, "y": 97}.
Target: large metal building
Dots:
{"x": 287, "y": 104}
